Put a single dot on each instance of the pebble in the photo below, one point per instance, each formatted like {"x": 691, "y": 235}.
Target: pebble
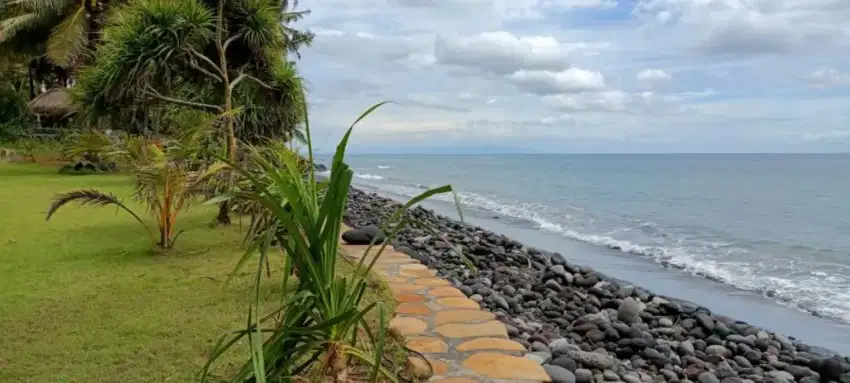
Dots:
{"x": 565, "y": 362}
{"x": 559, "y": 374}
{"x": 583, "y": 375}
{"x": 707, "y": 377}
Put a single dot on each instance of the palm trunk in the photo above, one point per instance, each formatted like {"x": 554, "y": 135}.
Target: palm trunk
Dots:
{"x": 31, "y": 76}
{"x": 224, "y": 207}
{"x": 337, "y": 364}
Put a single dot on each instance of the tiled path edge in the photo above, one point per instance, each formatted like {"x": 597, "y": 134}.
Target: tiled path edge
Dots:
{"x": 463, "y": 343}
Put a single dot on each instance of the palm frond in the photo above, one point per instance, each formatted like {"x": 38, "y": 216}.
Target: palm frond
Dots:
{"x": 68, "y": 40}
{"x": 41, "y": 5}
{"x": 11, "y": 26}
{"x": 94, "y": 198}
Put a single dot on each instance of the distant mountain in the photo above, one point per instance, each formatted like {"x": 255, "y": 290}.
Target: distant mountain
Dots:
{"x": 445, "y": 149}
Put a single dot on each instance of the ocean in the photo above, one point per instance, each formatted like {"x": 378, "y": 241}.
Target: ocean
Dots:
{"x": 766, "y": 232}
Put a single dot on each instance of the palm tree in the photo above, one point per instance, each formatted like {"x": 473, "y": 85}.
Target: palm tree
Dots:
{"x": 53, "y": 36}
{"x": 165, "y": 181}
{"x": 153, "y": 49}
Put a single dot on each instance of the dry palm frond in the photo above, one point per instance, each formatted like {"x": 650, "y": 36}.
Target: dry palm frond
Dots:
{"x": 91, "y": 197}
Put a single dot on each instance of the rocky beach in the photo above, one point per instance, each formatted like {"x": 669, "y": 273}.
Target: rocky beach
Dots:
{"x": 583, "y": 326}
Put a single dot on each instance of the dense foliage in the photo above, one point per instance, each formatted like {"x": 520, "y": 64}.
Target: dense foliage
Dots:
{"x": 315, "y": 327}
{"x": 13, "y": 115}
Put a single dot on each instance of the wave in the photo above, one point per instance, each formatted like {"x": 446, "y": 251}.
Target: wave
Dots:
{"x": 792, "y": 282}
{"x": 367, "y": 176}
{"x": 383, "y": 167}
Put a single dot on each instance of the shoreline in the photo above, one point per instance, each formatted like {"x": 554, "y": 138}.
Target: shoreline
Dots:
{"x": 552, "y": 306}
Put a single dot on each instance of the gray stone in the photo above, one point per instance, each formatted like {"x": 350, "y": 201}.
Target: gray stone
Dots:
{"x": 562, "y": 347}
{"x": 707, "y": 377}
{"x": 741, "y": 339}
{"x": 565, "y": 362}
{"x": 780, "y": 376}
{"x": 629, "y": 378}
{"x": 670, "y": 375}
{"x": 629, "y": 310}
{"x": 705, "y": 321}
{"x": 500, "y": 301}
{"x": 830, "y": 369}
{"x": 610, "y": 375}
{"x": 665, "y": 322}
{"x": 539, "y": 346}
{"x": 743, "y": 362}
{"x": 559, "y": 374}
{"x": 560, "y": 342}
{"x": 799, "y": 371}
{"x": 718, "y": 350}
{"x": 584, "y": 375}
{"x": 724, "y": 370}
{"x": 364, "y": 236}
{"x": 686, "y": 348}
{"x": 592, "y": 359}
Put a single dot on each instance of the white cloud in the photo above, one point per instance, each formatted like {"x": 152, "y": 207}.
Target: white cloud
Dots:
{"x": 653, "y": 75}
{"x": 829, "y": 77}
{"x": 502, "y": 52}
{"x": 572, "y": 80}
{"x": 745, "y": 27}
{"x": 608, "y": 101}
{"x": 825, "y": 136}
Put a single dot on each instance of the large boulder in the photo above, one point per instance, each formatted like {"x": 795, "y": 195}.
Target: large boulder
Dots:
{"x": 364, "y": 236}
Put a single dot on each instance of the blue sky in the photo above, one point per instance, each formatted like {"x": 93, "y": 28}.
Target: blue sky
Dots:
{"x": 567, "y": 76}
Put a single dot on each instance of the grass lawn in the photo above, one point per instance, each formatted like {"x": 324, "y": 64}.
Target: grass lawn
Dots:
{"x": 84, "y": 299}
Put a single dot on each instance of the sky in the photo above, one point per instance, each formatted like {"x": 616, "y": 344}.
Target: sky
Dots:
{"x": 580, "y": 76}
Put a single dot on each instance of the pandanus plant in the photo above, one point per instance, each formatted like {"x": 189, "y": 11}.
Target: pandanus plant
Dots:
{"x": 313, "y": 329}
{"x": 165, "y": 182}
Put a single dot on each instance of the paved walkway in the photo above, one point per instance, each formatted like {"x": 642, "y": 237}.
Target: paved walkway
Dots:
{"x": 463, "y": 343}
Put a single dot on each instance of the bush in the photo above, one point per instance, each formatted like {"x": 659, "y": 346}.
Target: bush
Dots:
{"x": 314, "y": 330}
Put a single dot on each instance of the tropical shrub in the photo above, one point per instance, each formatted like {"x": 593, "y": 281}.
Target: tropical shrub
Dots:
{"x": 225, "y": 57}
{"x": 165, "y": 180}
{"x": 314, "y": 328}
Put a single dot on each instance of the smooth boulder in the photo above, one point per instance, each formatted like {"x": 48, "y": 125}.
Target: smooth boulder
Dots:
{"x": 364, "y": 236}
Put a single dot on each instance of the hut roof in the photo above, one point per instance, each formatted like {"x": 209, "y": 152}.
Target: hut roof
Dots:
{"x": 53, "y": 103}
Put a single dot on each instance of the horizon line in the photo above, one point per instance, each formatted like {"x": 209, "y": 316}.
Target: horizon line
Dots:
{"x": 577, "y": 153}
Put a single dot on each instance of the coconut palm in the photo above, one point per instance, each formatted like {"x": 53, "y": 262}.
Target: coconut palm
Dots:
{"x": 153, "y": 49}
{"x": 165, "y": 182}
{"x": 52, "y": 36}
{"x": 71, "y": 24}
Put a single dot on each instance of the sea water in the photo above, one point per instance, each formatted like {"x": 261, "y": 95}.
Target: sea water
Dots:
{"x": 738, "y": 233}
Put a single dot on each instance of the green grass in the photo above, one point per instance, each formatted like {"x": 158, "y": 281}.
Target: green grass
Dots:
{"x": 83, "y": 298}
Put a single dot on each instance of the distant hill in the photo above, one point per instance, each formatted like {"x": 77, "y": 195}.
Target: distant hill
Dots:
{"x": 445, "y": 149}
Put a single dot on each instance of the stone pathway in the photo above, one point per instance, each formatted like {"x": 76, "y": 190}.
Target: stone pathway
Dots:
{"x": 463, "y": 343}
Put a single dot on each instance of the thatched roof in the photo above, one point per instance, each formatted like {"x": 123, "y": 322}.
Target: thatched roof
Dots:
{"x": 53, "y": 103}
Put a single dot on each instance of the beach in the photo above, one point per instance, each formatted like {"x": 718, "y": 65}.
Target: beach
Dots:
{"x": 569, "y": 314}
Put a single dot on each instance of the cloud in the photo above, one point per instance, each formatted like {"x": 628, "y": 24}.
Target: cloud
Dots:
{"x": 502, "y": 52}
{"x": 572, "y": 80}
{"x": 580, "y": 75}
{"x": 827, "y": 136}
{"x": 748, "y": 27}
{"x": 829, "y": 77}
{"x": 607, "y": 101}
{"x": 653, "y": 75}
{"x": 432, "y": 102}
